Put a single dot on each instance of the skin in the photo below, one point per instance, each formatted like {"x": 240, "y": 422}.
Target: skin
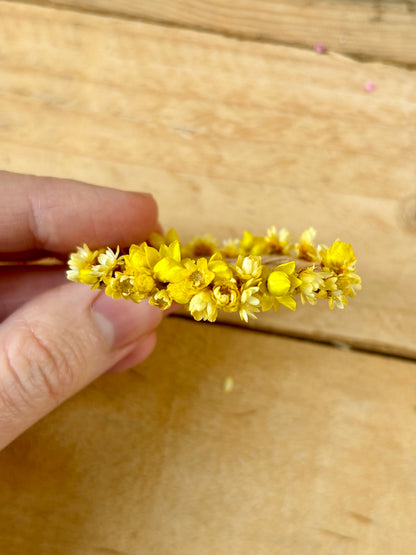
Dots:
{"x": 56, "y": 337}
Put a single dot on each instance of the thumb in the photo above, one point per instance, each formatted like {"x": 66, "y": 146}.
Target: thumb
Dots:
{"x": 61, "y": 341}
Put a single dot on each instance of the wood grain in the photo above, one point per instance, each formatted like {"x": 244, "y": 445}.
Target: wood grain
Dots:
{"x": 228, "y": 136}
{"x": 312, "y": 452}
{"x": 381, "y": 29}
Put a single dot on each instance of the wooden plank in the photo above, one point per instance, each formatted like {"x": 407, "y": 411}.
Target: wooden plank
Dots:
{"x": 382, "y": 29}
{"x": 228, "y": 135}
{"x": 313, "y": 451}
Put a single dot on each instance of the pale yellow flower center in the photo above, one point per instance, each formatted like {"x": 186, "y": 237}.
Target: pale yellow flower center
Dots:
{"x": 197, "y": 279}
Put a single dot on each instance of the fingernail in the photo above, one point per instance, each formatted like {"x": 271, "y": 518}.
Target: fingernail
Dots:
{"x": 122, "y": 322}
{"x": 142, "y": 194}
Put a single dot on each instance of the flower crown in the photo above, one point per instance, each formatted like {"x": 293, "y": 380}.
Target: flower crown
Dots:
{"x": 246, "y": 276}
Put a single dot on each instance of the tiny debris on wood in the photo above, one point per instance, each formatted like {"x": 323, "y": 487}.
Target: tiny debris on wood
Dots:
{"x": 228, "y": 384}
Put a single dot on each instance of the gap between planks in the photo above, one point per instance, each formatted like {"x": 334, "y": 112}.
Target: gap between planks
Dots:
{"x": 385, "y": 351}
{"x": 105, "y": 12}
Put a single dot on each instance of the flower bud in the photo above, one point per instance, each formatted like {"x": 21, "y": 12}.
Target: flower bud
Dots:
{"x": 278, "y": 284}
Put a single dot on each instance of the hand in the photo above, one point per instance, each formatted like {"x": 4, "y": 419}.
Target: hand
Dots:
{"x": 55, "y": 336}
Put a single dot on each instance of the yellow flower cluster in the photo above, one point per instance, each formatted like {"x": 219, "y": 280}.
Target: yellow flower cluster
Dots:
{"x": 243, "y": 276}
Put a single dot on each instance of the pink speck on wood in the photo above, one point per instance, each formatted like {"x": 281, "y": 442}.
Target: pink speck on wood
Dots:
{"x": 320, "y": 48}
{"x": 369, "y": 86}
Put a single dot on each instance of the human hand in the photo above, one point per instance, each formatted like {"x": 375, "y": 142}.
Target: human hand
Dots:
{"x": 56, "y": 337}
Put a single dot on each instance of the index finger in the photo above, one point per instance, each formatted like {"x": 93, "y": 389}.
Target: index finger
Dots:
{"x": 47, "y": 216}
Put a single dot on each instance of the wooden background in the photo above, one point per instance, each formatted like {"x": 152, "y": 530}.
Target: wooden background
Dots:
{"x": 224, "y": 111}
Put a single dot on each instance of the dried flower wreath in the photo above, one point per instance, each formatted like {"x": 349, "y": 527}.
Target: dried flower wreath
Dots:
{"x": 246, "y": 276}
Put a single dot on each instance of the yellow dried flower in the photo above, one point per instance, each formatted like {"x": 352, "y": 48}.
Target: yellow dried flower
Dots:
{"x": 231, "y": 248}
{"x": 250, "y": 302}
{"x": 169, "y": 268}
{"x": 80, "y": 264}
{"x": 161, "y": 299}
{"x": 339, "y": 257}
{"x": 311, "y": 283}
{"x": 305, "y": 248}
{"x": 86, "y": 275}
{"x": 189, "y": 280}
{"x": 222, "y": 269}
{"x": 281, "y": 283}
{"x": 141, "y": 256}
{"x": 124, "y": 286}
{"x": 202, "y": 306}
{"x": 200, "y": 246}
{"x": 107, "y": 263}
{"x": 337, "y": 299}
{"x": 251, "y": 244}
{"x": 233, "y": 279}
{"x": 278, "y": 242}
{"x": 278, "y": 283}
{"x": 247, "y": 241}
{"x": 249, "y": 267}
{"x": 156, "y": 240}
{"x": 226, "y": 295}
{"x": 349, "y": 283}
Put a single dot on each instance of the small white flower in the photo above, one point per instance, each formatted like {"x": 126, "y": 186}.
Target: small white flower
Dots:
{"x": 249, "y": 303}
{"x": 108, "y": 260}
{"x": 82, "y": 259}
{"x": 249, "y": 267}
